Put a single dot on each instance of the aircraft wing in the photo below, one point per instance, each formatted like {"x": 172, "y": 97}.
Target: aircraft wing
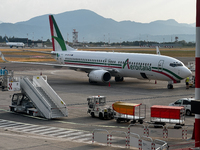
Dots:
{"x": 87, "y": 69}
{"x": 2, "y": 57}
{"x": 25, "y": 50}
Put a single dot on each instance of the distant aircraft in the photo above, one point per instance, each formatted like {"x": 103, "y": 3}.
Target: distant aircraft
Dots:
{"x": 157, "y": 50}
{"x": 101, "y": 66}
{"x": 16, "y": 44}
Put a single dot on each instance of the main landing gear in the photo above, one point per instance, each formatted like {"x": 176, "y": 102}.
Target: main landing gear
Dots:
{"x": 119, "y": 79}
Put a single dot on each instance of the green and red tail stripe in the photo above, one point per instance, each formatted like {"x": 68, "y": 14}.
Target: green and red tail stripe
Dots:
{"x": 57, "y": 38}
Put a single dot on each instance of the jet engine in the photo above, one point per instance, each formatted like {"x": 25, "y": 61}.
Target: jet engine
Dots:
{"x": 99, "y": 76}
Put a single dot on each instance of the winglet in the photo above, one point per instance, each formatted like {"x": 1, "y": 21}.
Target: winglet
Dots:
{"x": 157, "y": 50}
{"x": 2, "y": 57}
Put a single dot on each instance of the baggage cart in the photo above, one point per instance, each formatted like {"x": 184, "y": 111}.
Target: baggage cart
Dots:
{"x": 167, "y": 114}
{"x": 129, "y": 111}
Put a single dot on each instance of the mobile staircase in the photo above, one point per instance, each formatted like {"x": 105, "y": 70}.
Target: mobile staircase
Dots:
{"x": 44, "y": 98}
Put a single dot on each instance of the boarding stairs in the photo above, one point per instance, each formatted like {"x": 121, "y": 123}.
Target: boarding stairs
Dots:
{"x": 45, "y": 99}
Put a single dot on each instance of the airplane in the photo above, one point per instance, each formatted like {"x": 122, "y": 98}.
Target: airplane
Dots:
{"x": 16, "y": 44}
{"x": 101, "y": 66}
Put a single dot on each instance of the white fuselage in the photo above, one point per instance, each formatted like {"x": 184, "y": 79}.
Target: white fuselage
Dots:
{"x": 142, "y": 66}
{"x": 16, "y": 44}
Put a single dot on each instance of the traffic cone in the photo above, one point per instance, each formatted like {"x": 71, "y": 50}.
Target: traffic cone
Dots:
{"x": 109, "y": 84}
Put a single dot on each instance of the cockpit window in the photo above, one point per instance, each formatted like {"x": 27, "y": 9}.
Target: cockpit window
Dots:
{"x": 175, "y": 64}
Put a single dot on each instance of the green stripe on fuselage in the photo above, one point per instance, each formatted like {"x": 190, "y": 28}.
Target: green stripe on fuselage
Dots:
{"x": 170, "y": 72}
{"x": 94, "y": 63}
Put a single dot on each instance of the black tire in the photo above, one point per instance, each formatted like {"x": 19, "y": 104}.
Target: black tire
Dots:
{"x": 133, "y": 122}
{"x": 92, "y": 114}
{"x": 119, "y": 79}
{"x": 101, "y": 116}
{"x": 140, "y": 121}
{"x": 170, "y": 86}
{"x": 188, "y": 112}
{"x": 118, "y": 120}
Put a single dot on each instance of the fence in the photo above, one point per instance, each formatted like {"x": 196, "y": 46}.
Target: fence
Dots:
{"x": 142, "y": 138}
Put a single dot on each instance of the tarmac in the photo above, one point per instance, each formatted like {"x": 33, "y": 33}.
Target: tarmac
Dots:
{"x": 73, "y": 87}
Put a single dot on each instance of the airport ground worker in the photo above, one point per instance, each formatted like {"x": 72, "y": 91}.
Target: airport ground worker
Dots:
{"x": 187, "y": 82}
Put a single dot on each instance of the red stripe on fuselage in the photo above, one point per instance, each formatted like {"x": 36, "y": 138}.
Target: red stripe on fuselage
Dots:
{"x": 166, "y": 75}
{"x": 52, "y": 34}
{"x": 91, "y": 65}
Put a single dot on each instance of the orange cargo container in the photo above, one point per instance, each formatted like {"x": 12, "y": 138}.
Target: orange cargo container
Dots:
{"x": 125, "y": 108}
{"x": 129, "y": 111}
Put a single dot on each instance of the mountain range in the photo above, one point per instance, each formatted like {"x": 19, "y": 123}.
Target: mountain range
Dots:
{"x": 92, "y": 27}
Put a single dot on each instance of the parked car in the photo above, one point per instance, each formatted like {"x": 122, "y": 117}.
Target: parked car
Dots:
{"x": 186, "y": 102}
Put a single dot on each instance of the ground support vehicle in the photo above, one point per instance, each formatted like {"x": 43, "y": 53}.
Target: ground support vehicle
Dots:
{"x": 37, "y": 98}
{"x": 8, "y": 82}
{"x": 192, "y": 81}
{"x": 129, "y": 111}
{"x": 3, "y": 76}
{"x": 21, "y": 103}
{"x": 97, "y": 107}
{"x": 186, "y": 103}
{"x": 167, "y": 114}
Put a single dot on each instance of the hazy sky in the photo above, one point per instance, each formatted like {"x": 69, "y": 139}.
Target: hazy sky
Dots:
{"x": 145, "y": 11}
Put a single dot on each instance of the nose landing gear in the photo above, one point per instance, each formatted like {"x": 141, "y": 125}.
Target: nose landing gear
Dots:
{"x": 170, "y": 86}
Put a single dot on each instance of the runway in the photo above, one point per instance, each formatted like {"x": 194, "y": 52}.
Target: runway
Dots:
{"x": 73, "y": 87}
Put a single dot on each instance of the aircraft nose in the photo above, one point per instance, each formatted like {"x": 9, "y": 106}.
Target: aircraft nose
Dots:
{"x": 186, "y": 72}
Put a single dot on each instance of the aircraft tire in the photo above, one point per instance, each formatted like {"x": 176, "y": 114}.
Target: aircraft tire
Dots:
{"x": 170, "y": 86}
{"x": 119, "y": 79}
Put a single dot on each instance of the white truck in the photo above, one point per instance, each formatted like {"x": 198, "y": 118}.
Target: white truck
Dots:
{"x": 186, "y": 102}
{"x": 97, "y": 107}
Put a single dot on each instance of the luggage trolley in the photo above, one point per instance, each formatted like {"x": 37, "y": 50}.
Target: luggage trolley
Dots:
{"x": 167, "y": 114}
{"x": 129, "y": 111}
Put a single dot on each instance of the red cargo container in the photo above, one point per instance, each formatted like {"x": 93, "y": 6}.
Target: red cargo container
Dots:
{"x": 167, "y": 114}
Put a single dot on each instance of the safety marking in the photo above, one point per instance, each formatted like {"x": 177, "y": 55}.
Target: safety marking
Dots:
{"x": 10, "y": 86}
{"x": 68, "y": 134}
{"x": 42, "y": 130}
{"x": 61, "y": 134}
{"x": 49, "y": 132}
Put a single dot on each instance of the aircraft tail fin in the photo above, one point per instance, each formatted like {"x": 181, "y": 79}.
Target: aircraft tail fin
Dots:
{"x": 157, "y": 51}
{"x": 7, "y": 40}
{"x": 58, "y": 41}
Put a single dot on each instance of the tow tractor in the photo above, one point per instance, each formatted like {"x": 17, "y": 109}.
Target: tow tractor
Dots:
{"x": 97, "y": 107}
{"x": 21, "y": 103}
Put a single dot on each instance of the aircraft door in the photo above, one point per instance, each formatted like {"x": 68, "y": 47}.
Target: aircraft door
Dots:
{"x": 160, "y": 65}
{"x": 62, "y": 59}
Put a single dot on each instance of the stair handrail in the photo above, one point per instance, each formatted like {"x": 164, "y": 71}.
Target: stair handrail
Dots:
{"x": 39, "y": 96}
{"x": 39, "y": 81}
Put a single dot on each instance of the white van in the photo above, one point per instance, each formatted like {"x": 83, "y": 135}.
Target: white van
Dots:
{"x": 186, "y": 102}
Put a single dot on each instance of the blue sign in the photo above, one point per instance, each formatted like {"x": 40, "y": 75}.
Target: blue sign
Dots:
{"x": 2, "y": 71}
